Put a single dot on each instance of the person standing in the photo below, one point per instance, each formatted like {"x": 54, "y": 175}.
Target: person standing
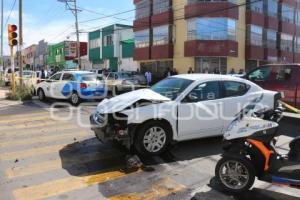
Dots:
{"x": 167, "y": 73}
{"x": 190, "y": 71}
{"x": 174, "y": 72}
{"x": 148, "y": 76}
{"x": 232, "y": 72}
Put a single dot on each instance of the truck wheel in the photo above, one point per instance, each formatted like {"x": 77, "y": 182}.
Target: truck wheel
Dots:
{"x": 235, "y": 175}
{"x": 153, "y": 138}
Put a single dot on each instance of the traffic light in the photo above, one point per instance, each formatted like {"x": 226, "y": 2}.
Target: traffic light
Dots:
{"x": 12, "y": 35}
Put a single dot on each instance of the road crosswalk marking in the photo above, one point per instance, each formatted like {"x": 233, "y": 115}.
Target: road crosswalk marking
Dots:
{"x": 43, "y": 167}
{"x": 41, "y": 139}
{"x": 35, "y": 132}
{"x": 61, "y": 186}
{"x": 31, "y": 152}
{"x": 20, "y": 116}
{"x": 31, "y": 125}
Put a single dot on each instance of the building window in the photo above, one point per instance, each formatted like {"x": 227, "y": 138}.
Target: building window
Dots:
{"x": 256, "y": 6}
{"x": 270, "y": 39}
{"x": 272, "y": 8}
{"x": 298, "y": 17}
{"x": 108, "y": 40}
{"x": 254, "y": 35}
{"x": 142, "y": 38}
{"x": 212, "y": 65}
{"x": 95, "y": 43}
{"x": 287, "y": 13}
{"x": 202, "y": 1}
{"x": 142, "y": 9}
{"x": 297, "y": 44}
{"x": 211, "y": 29}
{"x": 161, "y": 35}
{"x": 286, "y": 42}
{"x": 160, "y": 6}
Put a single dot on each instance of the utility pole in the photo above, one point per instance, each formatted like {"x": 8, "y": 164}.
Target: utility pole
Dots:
{"x": 2, "y": 61}
{"x": 75, "y": 13}
{"x": 20, "y": 57}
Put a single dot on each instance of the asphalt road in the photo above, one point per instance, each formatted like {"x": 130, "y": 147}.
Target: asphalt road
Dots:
{"x": 51, "y": 154}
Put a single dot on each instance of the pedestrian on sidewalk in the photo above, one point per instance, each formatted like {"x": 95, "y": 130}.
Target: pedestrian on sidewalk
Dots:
{"x": 148, "y": 76}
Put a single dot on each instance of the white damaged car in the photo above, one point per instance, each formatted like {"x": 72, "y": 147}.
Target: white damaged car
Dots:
{"x": 178, "y": 108}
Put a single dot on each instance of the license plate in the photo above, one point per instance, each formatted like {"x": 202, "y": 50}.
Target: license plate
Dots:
{"x": 97, "y": 93}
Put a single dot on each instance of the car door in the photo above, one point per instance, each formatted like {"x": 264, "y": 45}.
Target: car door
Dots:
{"x": 53, "y": 84}
{"x": 285, "y": 80}
{"x": 261, "y": 75}
{"x": 65, "y": 87}
{"x": 234, "y": 99}
{"x": 198, "y": 112}
{"x": 110, "y": 81}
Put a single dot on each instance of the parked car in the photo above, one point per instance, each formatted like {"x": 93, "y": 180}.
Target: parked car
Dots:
{"x": 73, "y": 85}
{"x": 97, "y": 71}
{"x": 138, "y": 76}
{"x": 7, "y": 75}
{"x": 118, "y": 82}
{"x": 30, "y": 79}
{"x": 178, "y": 108}
{"x": 279, "y": 77}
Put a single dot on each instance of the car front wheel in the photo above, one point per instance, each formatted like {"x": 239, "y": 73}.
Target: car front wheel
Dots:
{"x": 41, "y": 95}
{"x": 153, "y": 138}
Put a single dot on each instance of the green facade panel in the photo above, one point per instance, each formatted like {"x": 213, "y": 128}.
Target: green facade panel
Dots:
{"x": 127, "y": 50}
{"x": 56, "y": 55}
{"x": 95, "y": 53}
{"x": 113, "y": 64}
{"x": 108, "y": 52}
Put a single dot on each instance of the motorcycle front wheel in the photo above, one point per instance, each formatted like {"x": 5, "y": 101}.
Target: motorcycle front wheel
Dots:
{"x": 235, "y": 175}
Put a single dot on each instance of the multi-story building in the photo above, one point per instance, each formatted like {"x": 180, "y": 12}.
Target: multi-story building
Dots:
{"x": 112, "y": 48}
{"x": 40, "y": 58}
{"x": 215, "y": 35}
{"x": 64, "y": 54}
{"x": 29, "y": 55}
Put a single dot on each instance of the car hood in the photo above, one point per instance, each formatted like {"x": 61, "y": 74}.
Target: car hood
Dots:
{"x": 123, "y": 101}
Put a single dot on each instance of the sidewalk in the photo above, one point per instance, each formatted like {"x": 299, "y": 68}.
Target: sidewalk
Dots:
{"x": 3, "y": 92}
{"x": 4, "y": 102}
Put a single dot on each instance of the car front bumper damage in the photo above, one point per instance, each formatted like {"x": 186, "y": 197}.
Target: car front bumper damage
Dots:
{"x": 107, "y": 128}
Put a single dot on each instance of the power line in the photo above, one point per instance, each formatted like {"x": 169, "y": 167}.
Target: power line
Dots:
{"x": 8, "y": 17}
{"x": 201, "y": 15}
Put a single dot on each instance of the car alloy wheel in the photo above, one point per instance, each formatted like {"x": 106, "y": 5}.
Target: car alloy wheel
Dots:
{"x": 74, "y": 98}
{"x": 154, "y": 139}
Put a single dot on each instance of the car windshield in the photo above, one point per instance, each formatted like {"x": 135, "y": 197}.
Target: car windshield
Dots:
{"x": 88, "y": 77}
{"x": 124, "y": 75}
{"x": 27, "y": 73}
{"x": 171, "y": 87}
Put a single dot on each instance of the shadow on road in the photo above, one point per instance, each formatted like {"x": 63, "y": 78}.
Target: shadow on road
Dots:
{"x": 90, "y": 156}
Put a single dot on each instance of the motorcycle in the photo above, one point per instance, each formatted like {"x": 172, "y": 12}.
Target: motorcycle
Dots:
{"x": 249, "y": 152}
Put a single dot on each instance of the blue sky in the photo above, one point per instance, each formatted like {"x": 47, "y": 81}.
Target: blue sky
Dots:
{"x": 49, "y": 19}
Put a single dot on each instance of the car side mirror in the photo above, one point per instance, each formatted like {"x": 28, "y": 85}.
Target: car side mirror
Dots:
{"x": 191, "y": 97}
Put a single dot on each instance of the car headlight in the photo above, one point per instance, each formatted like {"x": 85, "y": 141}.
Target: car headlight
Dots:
{"x": 232, "y": 125}
{"x": 99, "y": 117}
